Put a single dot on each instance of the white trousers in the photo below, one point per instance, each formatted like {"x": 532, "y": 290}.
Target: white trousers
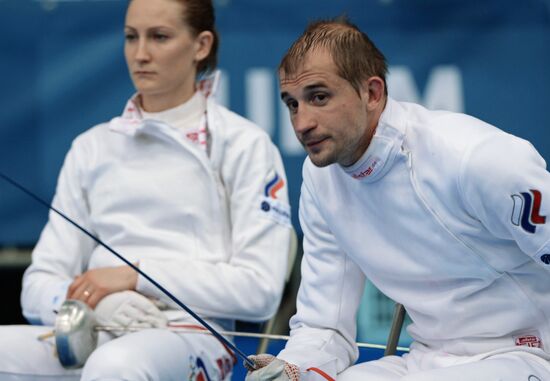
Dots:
{"x": 151, "y": 354}
{"x": 509, "y": 364}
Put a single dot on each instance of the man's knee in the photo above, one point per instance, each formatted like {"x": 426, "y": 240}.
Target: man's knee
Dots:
{"x": 385, "y": 369}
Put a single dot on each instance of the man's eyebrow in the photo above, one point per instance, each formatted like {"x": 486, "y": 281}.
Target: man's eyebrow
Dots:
{"x": 315, "y": 86}
{"x": 308, "y": 88}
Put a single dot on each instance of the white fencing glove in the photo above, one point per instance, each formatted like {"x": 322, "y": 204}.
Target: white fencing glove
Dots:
{"x": 269, "y": 367}
{"x": 129, "y": 309}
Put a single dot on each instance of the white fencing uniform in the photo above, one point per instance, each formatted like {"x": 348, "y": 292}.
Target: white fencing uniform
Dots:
{"x": 209, "y": 223}
{"x": 446, "y": 215}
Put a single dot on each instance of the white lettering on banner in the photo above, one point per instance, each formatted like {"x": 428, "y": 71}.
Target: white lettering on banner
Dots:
{"x": 259, "y": 93}
{"x": 443, "y": 89}
{"x": 222, "y": 92}
{"x": 287, "y": 138}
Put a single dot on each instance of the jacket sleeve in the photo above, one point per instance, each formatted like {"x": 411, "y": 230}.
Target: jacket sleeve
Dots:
{"x": 505, "y": 185}
{"x": 323, "y": 330}
{"x": 248, "y": 286}
{"x": 61, "y": 252}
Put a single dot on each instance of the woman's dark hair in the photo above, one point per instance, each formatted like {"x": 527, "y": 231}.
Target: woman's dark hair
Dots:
{"x": 200, "y": 16}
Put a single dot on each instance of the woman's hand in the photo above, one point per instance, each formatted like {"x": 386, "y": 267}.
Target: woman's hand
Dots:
{"x": 94, "y": 285}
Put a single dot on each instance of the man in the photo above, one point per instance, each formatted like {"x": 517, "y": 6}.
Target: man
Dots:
{"x": 442, "y": 212}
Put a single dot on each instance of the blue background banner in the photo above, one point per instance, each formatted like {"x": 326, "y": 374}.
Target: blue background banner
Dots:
{"x": 63, "y": 70}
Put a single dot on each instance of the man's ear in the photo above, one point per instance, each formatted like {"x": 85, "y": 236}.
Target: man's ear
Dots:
{"x": 373, "y": 90}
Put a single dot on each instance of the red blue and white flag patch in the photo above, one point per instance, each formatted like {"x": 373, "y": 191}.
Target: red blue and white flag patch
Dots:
{"x": 526, "y": 210}
{"x": 270, "y": 205}
{"x": 273, "y": 186}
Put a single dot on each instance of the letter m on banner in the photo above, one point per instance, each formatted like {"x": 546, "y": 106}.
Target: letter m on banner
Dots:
{"x": 443, "y": 91}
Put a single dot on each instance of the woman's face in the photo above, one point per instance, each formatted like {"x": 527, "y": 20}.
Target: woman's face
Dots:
{"x": 162, "y": 52}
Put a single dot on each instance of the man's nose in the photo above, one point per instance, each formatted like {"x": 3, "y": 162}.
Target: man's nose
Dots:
{"x": 304, "y": 120}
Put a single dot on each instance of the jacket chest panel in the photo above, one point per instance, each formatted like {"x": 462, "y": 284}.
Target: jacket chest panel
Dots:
{"x": 160, "y": 185}
{"x": 395, "y": 237}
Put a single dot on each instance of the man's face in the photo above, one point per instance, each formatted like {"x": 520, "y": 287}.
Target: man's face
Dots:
{"x": 328, "y": 115}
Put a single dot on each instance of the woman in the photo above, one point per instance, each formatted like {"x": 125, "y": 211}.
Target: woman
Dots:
{"x": 187, "y": 190}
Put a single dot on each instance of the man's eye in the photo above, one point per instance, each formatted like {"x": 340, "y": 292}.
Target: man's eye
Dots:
{"x": 130, "y": 37}
{"x": 319, "y": 98}
{"x": 292, "y": 105}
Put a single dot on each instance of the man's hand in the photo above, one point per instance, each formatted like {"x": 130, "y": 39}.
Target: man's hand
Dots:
{"x": 268, "y": 367}
{"x": 129, "y": 309}
{"x": 94, "y": 285}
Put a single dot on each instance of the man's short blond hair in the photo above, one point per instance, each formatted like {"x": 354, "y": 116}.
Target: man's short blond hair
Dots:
{"x": 354, "y": 54}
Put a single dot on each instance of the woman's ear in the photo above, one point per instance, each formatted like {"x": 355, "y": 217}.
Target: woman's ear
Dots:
{"x": 203, "y": 45}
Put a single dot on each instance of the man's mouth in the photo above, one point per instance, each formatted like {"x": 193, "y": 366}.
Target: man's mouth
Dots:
{"x": 313, "y": 143}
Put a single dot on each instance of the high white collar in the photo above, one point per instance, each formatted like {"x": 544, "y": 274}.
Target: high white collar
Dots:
{"x": 383, "y": 148}
{"x": 184, "y": 116}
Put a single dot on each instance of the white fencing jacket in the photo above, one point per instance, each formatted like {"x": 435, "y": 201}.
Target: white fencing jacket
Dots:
{"x": 445, "y": 214}
{"x": 214, "y": 231}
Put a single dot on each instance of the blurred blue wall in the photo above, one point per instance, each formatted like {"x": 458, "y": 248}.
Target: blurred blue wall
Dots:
{"x": 62, "y": 71}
